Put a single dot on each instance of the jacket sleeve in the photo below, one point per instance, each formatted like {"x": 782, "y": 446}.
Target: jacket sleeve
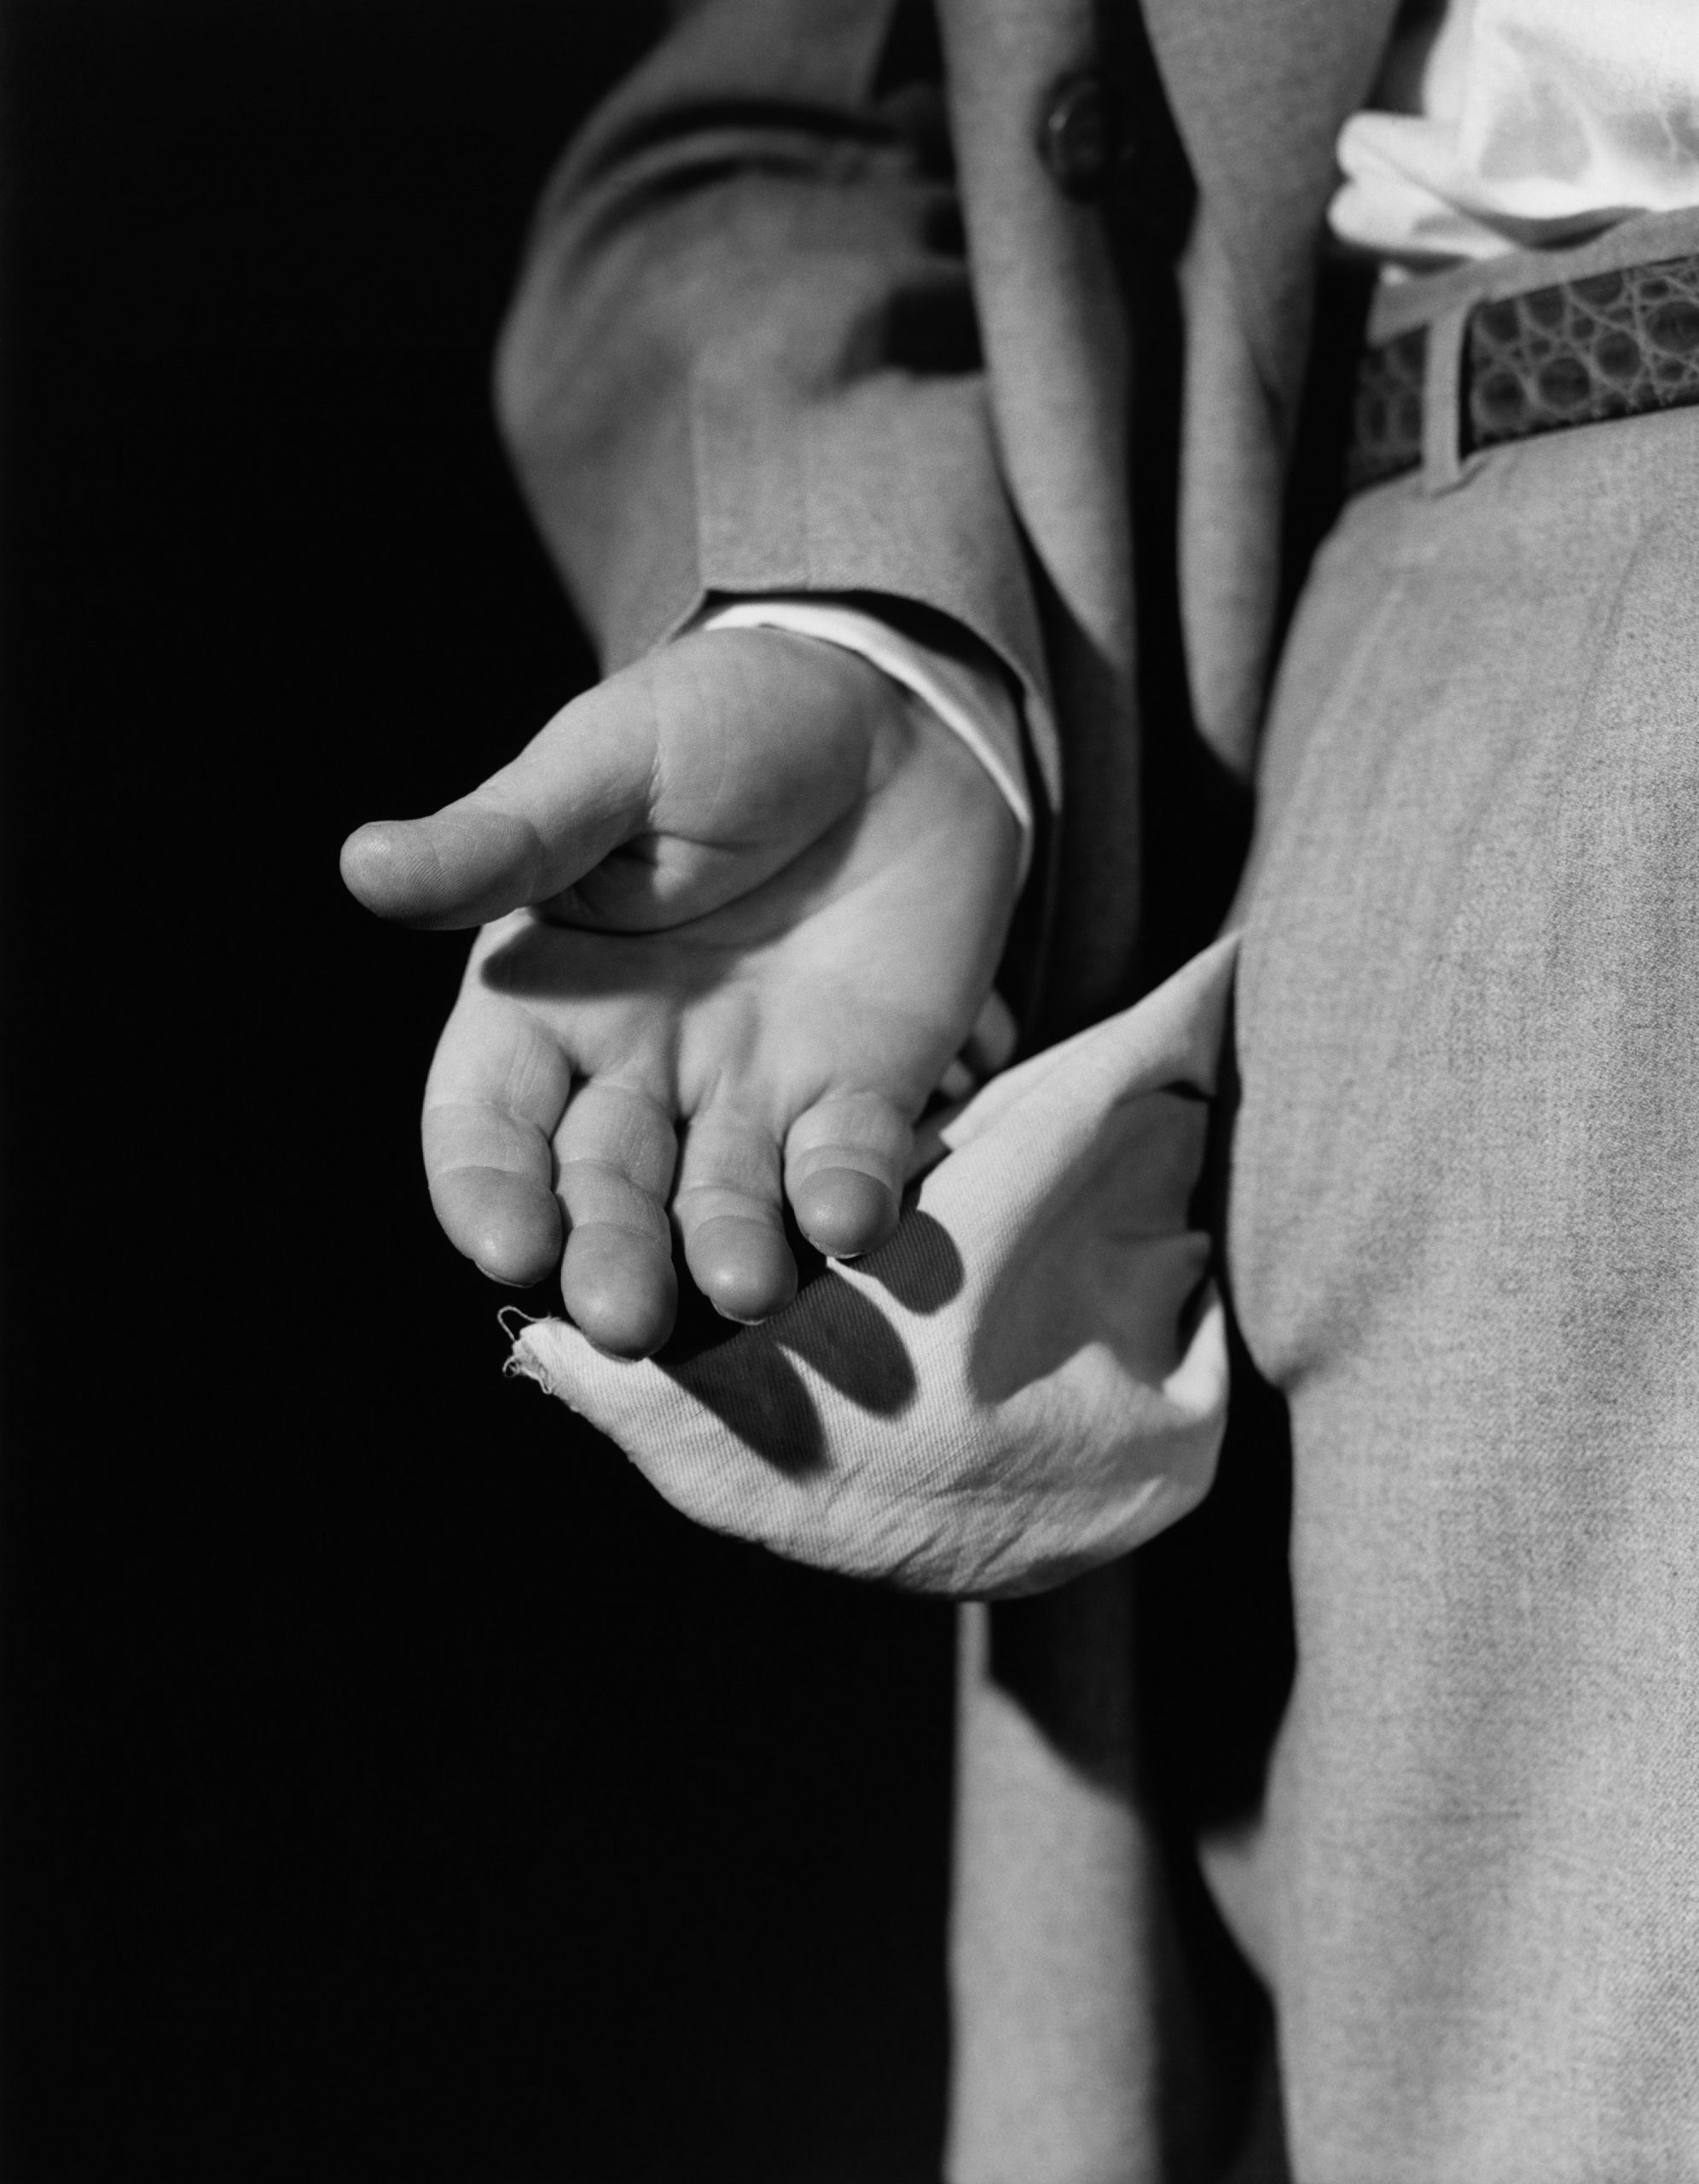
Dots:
{"x": 743, "y": 356}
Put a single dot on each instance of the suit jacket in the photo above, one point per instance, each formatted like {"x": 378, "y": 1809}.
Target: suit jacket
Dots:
{"x": 795, "y": 318}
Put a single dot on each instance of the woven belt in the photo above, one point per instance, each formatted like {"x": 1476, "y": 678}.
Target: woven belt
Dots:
{"x": 1610, "y": 344}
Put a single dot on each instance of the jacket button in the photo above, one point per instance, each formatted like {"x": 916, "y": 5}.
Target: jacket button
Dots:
{"x": 1077, "y": 140}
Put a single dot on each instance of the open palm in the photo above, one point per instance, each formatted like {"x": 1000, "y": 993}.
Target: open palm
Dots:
{"x": 747, "y": 900}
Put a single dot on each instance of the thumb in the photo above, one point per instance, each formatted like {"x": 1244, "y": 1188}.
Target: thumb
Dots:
{"x": 579, "y": 789}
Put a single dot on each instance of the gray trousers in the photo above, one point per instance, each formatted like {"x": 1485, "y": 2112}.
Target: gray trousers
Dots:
{"x": 1464, "y": 1241}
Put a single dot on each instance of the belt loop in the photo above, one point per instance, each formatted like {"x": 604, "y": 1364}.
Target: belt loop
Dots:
{"x": 1442, "y": 397}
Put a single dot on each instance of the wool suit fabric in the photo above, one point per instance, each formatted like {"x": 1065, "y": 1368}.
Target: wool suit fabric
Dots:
{"x": 773, "y": 336}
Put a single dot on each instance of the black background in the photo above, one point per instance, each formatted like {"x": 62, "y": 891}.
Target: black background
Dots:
{"x": 394, "y": 1788}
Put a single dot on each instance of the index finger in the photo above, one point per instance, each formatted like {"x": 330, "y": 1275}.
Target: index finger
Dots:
{"x": 497, "y": 1090}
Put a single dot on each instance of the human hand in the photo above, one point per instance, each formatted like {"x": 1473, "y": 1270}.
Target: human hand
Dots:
{"x": 1028, "y": 1379}
{"x": 745, "y": 900}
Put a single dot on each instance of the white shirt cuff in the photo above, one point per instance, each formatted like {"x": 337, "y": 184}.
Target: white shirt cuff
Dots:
{"x": 974, "y": 703}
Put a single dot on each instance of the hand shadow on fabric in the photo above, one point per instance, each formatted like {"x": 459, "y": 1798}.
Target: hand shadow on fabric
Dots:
{"x": 920, "y": 1266}
{"x": 754, "y": 1387}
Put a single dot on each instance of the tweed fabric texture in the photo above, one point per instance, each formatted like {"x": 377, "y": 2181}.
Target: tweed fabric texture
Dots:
{"x": 1464, "y": 1241}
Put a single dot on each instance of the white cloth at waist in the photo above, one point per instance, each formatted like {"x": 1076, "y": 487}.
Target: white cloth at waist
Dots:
{"x": 1520, "y": 124}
